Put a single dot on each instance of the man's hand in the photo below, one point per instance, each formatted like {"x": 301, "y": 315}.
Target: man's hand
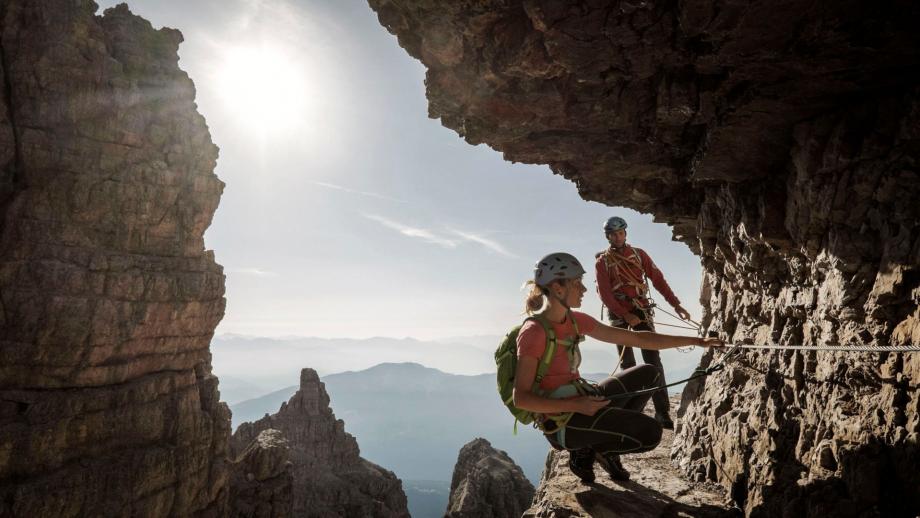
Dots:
{"x": 632, "y": 320}
{"x": 684, "y": 314}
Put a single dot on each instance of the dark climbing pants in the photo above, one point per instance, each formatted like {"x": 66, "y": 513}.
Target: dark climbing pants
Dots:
{"x": 650, "y": 357}
{"x": 620, "y": 427}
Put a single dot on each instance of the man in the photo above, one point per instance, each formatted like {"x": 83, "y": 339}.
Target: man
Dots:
{"x": 623, "y": 272}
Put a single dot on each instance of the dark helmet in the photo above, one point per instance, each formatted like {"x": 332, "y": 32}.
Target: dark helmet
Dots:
{"x": 557, "y": 266}
{"x": 613, "y": 224}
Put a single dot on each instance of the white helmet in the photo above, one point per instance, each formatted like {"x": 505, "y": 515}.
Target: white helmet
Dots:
{"x": 557, "y": 266}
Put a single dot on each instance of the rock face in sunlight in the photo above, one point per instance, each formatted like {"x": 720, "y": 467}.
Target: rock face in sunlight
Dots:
{"x": 330, "y": 477}
{"x": 781, "y": 142}
{"x": 108, "y": 299}
{"x": 487, "y": 484}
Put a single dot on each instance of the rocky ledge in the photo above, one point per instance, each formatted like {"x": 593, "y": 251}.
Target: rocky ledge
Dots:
{"x": 781, "y": 143}
{"x": 487, "y": 484}
{"x": 330, "y": 479}
{"x": 656, "y": 489}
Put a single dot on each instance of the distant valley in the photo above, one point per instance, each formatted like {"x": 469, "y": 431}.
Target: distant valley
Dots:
{"x": 409, "y": 418}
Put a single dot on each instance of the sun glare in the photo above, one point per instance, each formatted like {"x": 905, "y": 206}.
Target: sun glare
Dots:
{"x": 264, "y": 87}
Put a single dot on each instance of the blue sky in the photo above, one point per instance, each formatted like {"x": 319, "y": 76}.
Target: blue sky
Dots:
{"x": 348, "y": 212}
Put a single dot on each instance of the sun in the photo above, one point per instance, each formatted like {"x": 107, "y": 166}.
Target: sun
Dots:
{"x": 264, "y": 87}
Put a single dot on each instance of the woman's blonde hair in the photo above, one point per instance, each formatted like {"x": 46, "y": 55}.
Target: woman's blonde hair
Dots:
{"x": 534, "y": 300}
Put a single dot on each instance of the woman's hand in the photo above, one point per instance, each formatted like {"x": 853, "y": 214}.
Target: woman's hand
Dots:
{"x": 712, "y": 342}
{"x": 589, "y": 405}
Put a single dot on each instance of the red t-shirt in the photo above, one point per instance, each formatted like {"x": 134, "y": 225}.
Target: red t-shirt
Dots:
{"x": 531, "y": 341}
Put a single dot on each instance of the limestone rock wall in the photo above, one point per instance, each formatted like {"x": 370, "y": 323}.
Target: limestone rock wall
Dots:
{"x": 487, "y": 483}
{"x": 780, "y": 142}
{"x": 108, "y": 299}
{"x": 822, "y": 432}
{"x": 330, "y": 477}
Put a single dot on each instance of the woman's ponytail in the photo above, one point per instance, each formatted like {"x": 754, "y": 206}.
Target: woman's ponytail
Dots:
{"x": 534, "y": 300}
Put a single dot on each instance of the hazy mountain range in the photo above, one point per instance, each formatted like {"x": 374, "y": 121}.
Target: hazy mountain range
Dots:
{"x": 413, "y": 419}
{"x": 250, "y": 367}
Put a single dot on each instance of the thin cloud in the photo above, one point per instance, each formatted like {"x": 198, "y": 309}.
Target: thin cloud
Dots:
{"x": 353, "y": 191}
{"x": 421, "y": 233}
{"x": 493, "y": 245}
{"x": 255, "y": 272}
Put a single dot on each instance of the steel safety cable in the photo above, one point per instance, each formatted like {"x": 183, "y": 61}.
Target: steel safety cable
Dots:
{"x": 833, "y": 347}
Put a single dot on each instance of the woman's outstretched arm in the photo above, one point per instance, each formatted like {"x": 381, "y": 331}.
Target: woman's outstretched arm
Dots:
{"x": 648, "y": 339}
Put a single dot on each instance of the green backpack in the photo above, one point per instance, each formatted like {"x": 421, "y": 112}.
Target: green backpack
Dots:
{"x": 506, "y": 361}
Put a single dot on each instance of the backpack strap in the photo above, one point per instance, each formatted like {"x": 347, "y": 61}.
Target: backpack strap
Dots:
{"x": 548, "y": 353}
{"x": 571, "y": 348}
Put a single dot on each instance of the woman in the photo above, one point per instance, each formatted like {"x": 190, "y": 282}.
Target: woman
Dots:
{"x": 576, "y": 415}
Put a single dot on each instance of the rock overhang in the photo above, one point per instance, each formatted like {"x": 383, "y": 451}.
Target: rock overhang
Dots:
{"x": 645, "y": 104}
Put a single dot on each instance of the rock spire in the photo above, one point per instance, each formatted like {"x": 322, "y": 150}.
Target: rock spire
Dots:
{"x": 330, "y": 477}
{"x": 487, "y": 484}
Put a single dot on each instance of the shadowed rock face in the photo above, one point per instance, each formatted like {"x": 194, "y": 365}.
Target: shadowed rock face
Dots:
{"x": 330, "y": 479}
{"x": 488, "y": 484}
{"x": 261, "y": 480}
{"x": 108, "y": 299}
{"x": 780, "y": 141}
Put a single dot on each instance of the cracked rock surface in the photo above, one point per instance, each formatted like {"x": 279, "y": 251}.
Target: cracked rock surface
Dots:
{"x": 261, "y": 482}
{"x": 108, "y": 299}
{"x": 487, "y": 483}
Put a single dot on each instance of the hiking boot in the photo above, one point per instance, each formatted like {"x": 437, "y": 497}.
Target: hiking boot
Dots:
{"x": 664, "y": 420}
{"x": 581, "y": 463}
{"x": 610, "y": 462}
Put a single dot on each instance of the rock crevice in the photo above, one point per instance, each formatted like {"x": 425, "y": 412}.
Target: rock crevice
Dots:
{"x": 13, "y": 164}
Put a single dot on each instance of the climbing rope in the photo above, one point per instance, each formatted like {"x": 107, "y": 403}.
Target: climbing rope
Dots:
{"x": 696, "y": 324}
{"x": 698, "y": 373}
{"x": 677, "y": 326}
{"x": 735, "y": 349}
{"x": 834, "y": 347}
